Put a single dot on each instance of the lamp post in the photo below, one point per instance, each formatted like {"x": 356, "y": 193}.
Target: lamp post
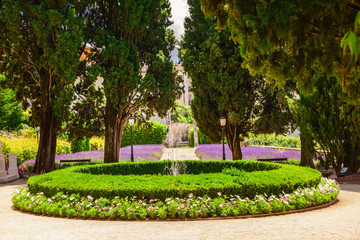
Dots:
{"x": 131, "y": 122}
{"x": 222, "y": 124}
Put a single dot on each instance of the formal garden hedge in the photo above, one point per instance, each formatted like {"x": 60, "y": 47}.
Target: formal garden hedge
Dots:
{"x": 150, "y": 179}
{"x": 148, "y": 190}
{"x": 151, "y": 133}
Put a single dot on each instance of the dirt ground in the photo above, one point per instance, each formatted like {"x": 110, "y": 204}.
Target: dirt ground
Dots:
{"x": 339, "y": 221}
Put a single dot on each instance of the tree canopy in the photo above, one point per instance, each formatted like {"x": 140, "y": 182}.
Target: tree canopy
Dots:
{"x": 40, "y": 46}
{"x": 286, "y": 39}
{"x": 128, "y": 37}
{"x": 223, "y": 87}
{"x": 331, "y": 121}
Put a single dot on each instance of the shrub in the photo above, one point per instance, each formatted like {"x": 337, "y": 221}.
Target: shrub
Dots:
{"x": 80, "y": 145}
{"x": 74, "y": 205}
{"x": 274, "y": 140}
{"x": 97, "y": 143}
{"x": 28, "y": 133}
{"x": 203, "y": 139}
{"x": 11, "y": 114}
{"x": 183, "y": 114}
{"x": 26, "y": 148}
{"x": 146, "y": 179}
{"x": 154, "y": 134}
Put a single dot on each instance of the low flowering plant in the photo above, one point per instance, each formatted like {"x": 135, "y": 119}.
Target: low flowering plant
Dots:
{"x": 21, "y": 169}
{"x": 151, "y": 152}
{"x": 214, "y": 152}
{"x": 74, "y": 205}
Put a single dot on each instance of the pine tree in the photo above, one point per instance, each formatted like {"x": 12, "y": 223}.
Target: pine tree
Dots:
{"x": 223, "y": 87}
{"x": 129, "y": 36}
{"x": 40, "y": 47}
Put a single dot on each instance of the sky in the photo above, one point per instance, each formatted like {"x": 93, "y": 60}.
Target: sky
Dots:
{"x": 179, "y": 10}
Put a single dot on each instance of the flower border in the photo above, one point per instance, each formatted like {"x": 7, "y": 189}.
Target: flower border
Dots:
{"x": 191, "y": 208}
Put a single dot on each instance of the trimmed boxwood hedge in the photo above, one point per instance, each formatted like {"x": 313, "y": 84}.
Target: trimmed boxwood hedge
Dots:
{"x": 146, "y": 179}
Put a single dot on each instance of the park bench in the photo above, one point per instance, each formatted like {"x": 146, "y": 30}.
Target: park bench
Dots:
{"x": 74, "y": 161}
{"x": 276, "y": 160}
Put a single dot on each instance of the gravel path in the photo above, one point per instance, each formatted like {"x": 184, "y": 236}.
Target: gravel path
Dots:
{"x": 340, "y": 221}
{"x": 179, "y": 154}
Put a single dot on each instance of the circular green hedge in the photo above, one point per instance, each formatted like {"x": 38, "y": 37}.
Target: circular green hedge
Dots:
{"x": 150, "y": 180}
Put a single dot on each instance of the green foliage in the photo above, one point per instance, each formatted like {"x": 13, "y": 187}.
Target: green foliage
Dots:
{"x": 331, "y": 121}
{"x": 150, "y": 133}
{"x": 351, "y": 40}
{"x": 222, "y": 85}
{"x": 285, "y": 39}
{"x": 80, "y": 145}
{"x": 234, "y": 172}
{"x": 26, "y": 147}
{"x": 137, "y": 39}
{"x": 97, "y": 143}
{"x": 11, "y": 114}
{"x": 191, "y": 206}
{"x": 202, "y": 138}
{"x": 40, "y": 47}
{"x": 183, "y": 114}
{"x": 132, "y": 208}
{"x": 274, "y": 140}
{"x": 146, "y": 179}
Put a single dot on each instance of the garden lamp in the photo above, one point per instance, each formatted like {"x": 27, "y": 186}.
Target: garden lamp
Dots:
{"x": 223, "y": 124}
{"x": 131, "y": 122}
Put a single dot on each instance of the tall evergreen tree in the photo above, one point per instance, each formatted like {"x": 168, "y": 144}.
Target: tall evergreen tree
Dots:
{"x": 40, "y": 47}
{"x": 331, "y": 121}
{"x": 129, "y": 36}
{"x": 285, "y": 39}
{"x": 223, "y": 87}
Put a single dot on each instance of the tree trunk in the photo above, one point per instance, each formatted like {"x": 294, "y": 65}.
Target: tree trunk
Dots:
{"x": 233, "y": 140}
{"x": 350, "y": 156}
{"x": 307, "y": 150}
{"x": 113, "y": 134}
{"x": 45, "y": 158}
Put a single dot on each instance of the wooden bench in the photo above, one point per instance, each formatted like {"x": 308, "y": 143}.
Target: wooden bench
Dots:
{"x": 276, "y": 160}
{"x": 74, "y": 161}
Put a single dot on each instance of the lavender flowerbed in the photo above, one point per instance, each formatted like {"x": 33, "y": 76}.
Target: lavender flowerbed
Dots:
{"x": 141, "y": 152}
{"x": 214, "y": 152}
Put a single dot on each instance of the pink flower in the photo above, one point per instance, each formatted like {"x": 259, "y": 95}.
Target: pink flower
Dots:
{"x": 182, "y": 205}
{"x": 182, "y": 200}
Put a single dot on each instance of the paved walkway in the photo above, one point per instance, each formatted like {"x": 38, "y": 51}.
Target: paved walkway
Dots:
{"x": 340, "y": 221}
{"x": 179, "y": 154}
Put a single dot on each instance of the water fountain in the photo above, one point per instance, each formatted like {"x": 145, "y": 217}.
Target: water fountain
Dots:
{"x": 175, "y": 168}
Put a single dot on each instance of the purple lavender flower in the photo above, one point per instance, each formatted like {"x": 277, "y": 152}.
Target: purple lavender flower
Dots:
{"x": 141, "y": 152}
{"x": 214, "y": 152}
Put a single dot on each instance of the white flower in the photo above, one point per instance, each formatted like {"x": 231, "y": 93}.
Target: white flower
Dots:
{"x": 90, "y": 197}
{"x": 220, "y": 205}
{"x": 219, "y": 194}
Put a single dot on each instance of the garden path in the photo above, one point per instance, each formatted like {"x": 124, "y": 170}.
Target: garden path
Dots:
{"x": 337, "y": 221}
{"x": 179, "y": 154}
